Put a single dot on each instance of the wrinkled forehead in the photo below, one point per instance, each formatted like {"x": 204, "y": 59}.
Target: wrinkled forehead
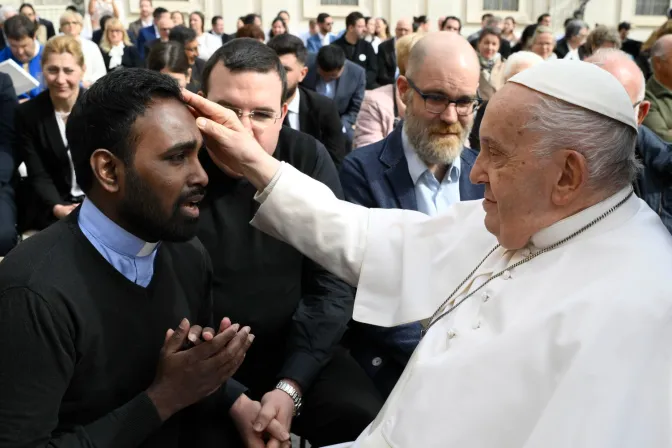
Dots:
{"x": 507, "y": 113}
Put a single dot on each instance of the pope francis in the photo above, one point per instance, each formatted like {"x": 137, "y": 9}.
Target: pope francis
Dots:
{"x": 547, "y": 307}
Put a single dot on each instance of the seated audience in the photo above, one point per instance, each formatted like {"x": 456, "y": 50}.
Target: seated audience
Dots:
{"x": 357, "y": 50}
{"x": 169, "y": 58}
{"x": 252, "y": 31}
{"x": 487, "y": 48}
{"x": 324, "y": 36}
{"x": 24, "y": 49}
{"x": 117, "y": 49}
{"x": 452, "y": 24}
{"x": 6, "y": 12}
{"x": 40, "y": 132}
{"x": 331, "y": 75}
{"x": 543, "y": 43}
{"x": 387, "y": 56}
{"x": 97, "y": 36}
{"x": 207, "y": 43}
{"x": 143, "y": 21}
{"x": 659, "y": 89}
{"x": 422, "y": 165}
{"x": 153, "y": 32}
{"x": 44, "y": 29}
{"x": 187, "y": 38}
{"x": 515, "y": 64}
{"x": 308, "y": 111}
{"x": 383, "y": 108}
{"x": 278, "y": 27}
{"x": 601, "y": 37}
{"x": 630, "y": 46}
{"x": 127, "y": 259}
{"x": 71, "y": 25}
{"x": 178, "y": 18}
{"x": 370, "y": 33}
{"x": 571, "y": 45}
{"x": 299, "y": 311}
{"x": 8, "y": 234}
{"x": 164, "y": 25}
{"x": 525, "y": 41}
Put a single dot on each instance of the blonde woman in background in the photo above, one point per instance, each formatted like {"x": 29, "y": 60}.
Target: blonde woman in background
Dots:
{"x": 100, "y": 8}
{"x": 40, "y": 132}
{"x": 116, "y": 47}
{"x": 382, "y": 108}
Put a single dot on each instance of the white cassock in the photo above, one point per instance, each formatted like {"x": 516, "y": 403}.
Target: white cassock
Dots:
{"x": 572, "y": 349}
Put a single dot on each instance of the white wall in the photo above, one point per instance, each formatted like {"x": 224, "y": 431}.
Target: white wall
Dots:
{"x": 607, "y": 12}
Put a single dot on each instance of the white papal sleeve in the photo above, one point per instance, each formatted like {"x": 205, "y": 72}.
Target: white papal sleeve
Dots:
{"x": 403, "y": 262}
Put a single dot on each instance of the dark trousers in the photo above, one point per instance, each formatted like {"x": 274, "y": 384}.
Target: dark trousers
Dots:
{"x": 8, "y": 234}
{"x": 341, "y": 403}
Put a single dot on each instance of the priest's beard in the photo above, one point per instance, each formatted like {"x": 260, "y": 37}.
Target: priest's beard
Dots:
{"x": 291, "y": 90}
{"x": 429, "y": 140}
{"x": 141, "y": 209}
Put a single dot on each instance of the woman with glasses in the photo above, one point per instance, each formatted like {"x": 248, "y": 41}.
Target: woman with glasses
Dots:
{"x": 40, "y": 132}
{"x": 117, "y": 49}
{"x": 71, "y": 25}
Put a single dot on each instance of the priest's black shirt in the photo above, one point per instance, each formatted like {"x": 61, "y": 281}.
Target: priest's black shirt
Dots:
{"x": 81, "y": 343}
{"x": 297, "y": 310}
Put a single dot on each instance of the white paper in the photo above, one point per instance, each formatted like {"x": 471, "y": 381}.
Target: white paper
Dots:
{"x": 22, "y": 80}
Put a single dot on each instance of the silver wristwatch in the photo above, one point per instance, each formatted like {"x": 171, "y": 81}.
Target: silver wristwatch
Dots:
{"x": 293, "y": 393}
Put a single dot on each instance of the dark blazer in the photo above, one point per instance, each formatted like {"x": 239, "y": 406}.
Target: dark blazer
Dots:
{"x": 376, "y": 176}
{"x": 130, "y": 59}
{"x": 654, "y": 182}
{"x": 387, "y": 62}
{"x": 3, "y": 44}
{"x": 561, "y": 48}
{"x": 134, "y": 30}
{"x": 350, "y": 89}
{"x": 196, "y": 80}
{"x": 319, "y": 118}
{"x": 8, "y": 104}
{"x": 97, "y": 36}
{"x": 39, "y": 143}
{"x": 145, "y": 36}
{"x": 51, "y": 32}
{"x": 364, "y": 56}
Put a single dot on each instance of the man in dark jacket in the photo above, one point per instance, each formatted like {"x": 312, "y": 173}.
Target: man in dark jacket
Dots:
{"x": 8, "y": 103}
{"x": 357, "y": 49}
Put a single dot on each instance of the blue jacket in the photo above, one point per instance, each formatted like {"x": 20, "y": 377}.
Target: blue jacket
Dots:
{"x": 34, "y": 68}
{"x": 376, "y": 176}
{"x": 146, "y": 34}
{"x": 314, "y": 43}
{"x": 654, "y": 184}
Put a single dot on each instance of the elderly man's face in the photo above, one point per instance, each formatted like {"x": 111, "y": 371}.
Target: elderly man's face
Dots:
{"x": 518, "y": 183}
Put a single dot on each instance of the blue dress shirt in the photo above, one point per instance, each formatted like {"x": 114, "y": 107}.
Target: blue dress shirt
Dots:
{"x": 128, "y": 254}
{"x": 433, "y": 197}
{"x": 327, "y": 89}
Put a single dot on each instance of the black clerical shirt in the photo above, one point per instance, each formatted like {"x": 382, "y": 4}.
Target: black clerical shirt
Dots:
{"x": 82, "y": 342}
{"x": 362, "y": 54}
{"x": 297, "y": 310}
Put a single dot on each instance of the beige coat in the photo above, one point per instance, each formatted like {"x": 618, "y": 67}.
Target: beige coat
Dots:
{"x": 487, "y": 88}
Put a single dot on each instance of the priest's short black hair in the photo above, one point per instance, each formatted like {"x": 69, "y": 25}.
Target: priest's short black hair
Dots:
{"x": 104, "y": 115}
{"x": 245, "y": 55}
{"x": 330, "y": 58}
{"x": 287, "y": 43}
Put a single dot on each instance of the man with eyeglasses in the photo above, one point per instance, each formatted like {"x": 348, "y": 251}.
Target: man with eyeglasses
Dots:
{"x": 422, "y": 165}
{"x": 298, "y": 310}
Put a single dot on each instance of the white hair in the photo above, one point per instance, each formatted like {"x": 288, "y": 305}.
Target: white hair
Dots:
{"x": 607, "y": 145}
{"x": 5, "y": 11}
{"x": 512, "y": 64}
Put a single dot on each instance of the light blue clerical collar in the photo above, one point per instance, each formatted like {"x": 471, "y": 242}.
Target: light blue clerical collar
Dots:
{"x": 109, "y": 234}
{"x": 417, "y": 167}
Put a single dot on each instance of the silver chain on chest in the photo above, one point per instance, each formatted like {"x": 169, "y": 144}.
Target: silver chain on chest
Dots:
{"x": 437, "y": 316}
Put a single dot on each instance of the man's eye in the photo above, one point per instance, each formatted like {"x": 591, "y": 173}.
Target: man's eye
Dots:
{"x": 179, "y": 157}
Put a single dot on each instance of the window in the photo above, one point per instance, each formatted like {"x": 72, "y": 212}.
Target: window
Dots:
{"x": 652, "y": 7}
{"x": 500, "y": 5}
{"x": 340, "y": 2}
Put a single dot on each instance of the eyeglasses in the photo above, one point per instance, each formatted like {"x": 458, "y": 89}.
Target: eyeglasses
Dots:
{"x": 261, "y": 118}
{"x": 437, "y": 104}
{"x": 70, "y": 23}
